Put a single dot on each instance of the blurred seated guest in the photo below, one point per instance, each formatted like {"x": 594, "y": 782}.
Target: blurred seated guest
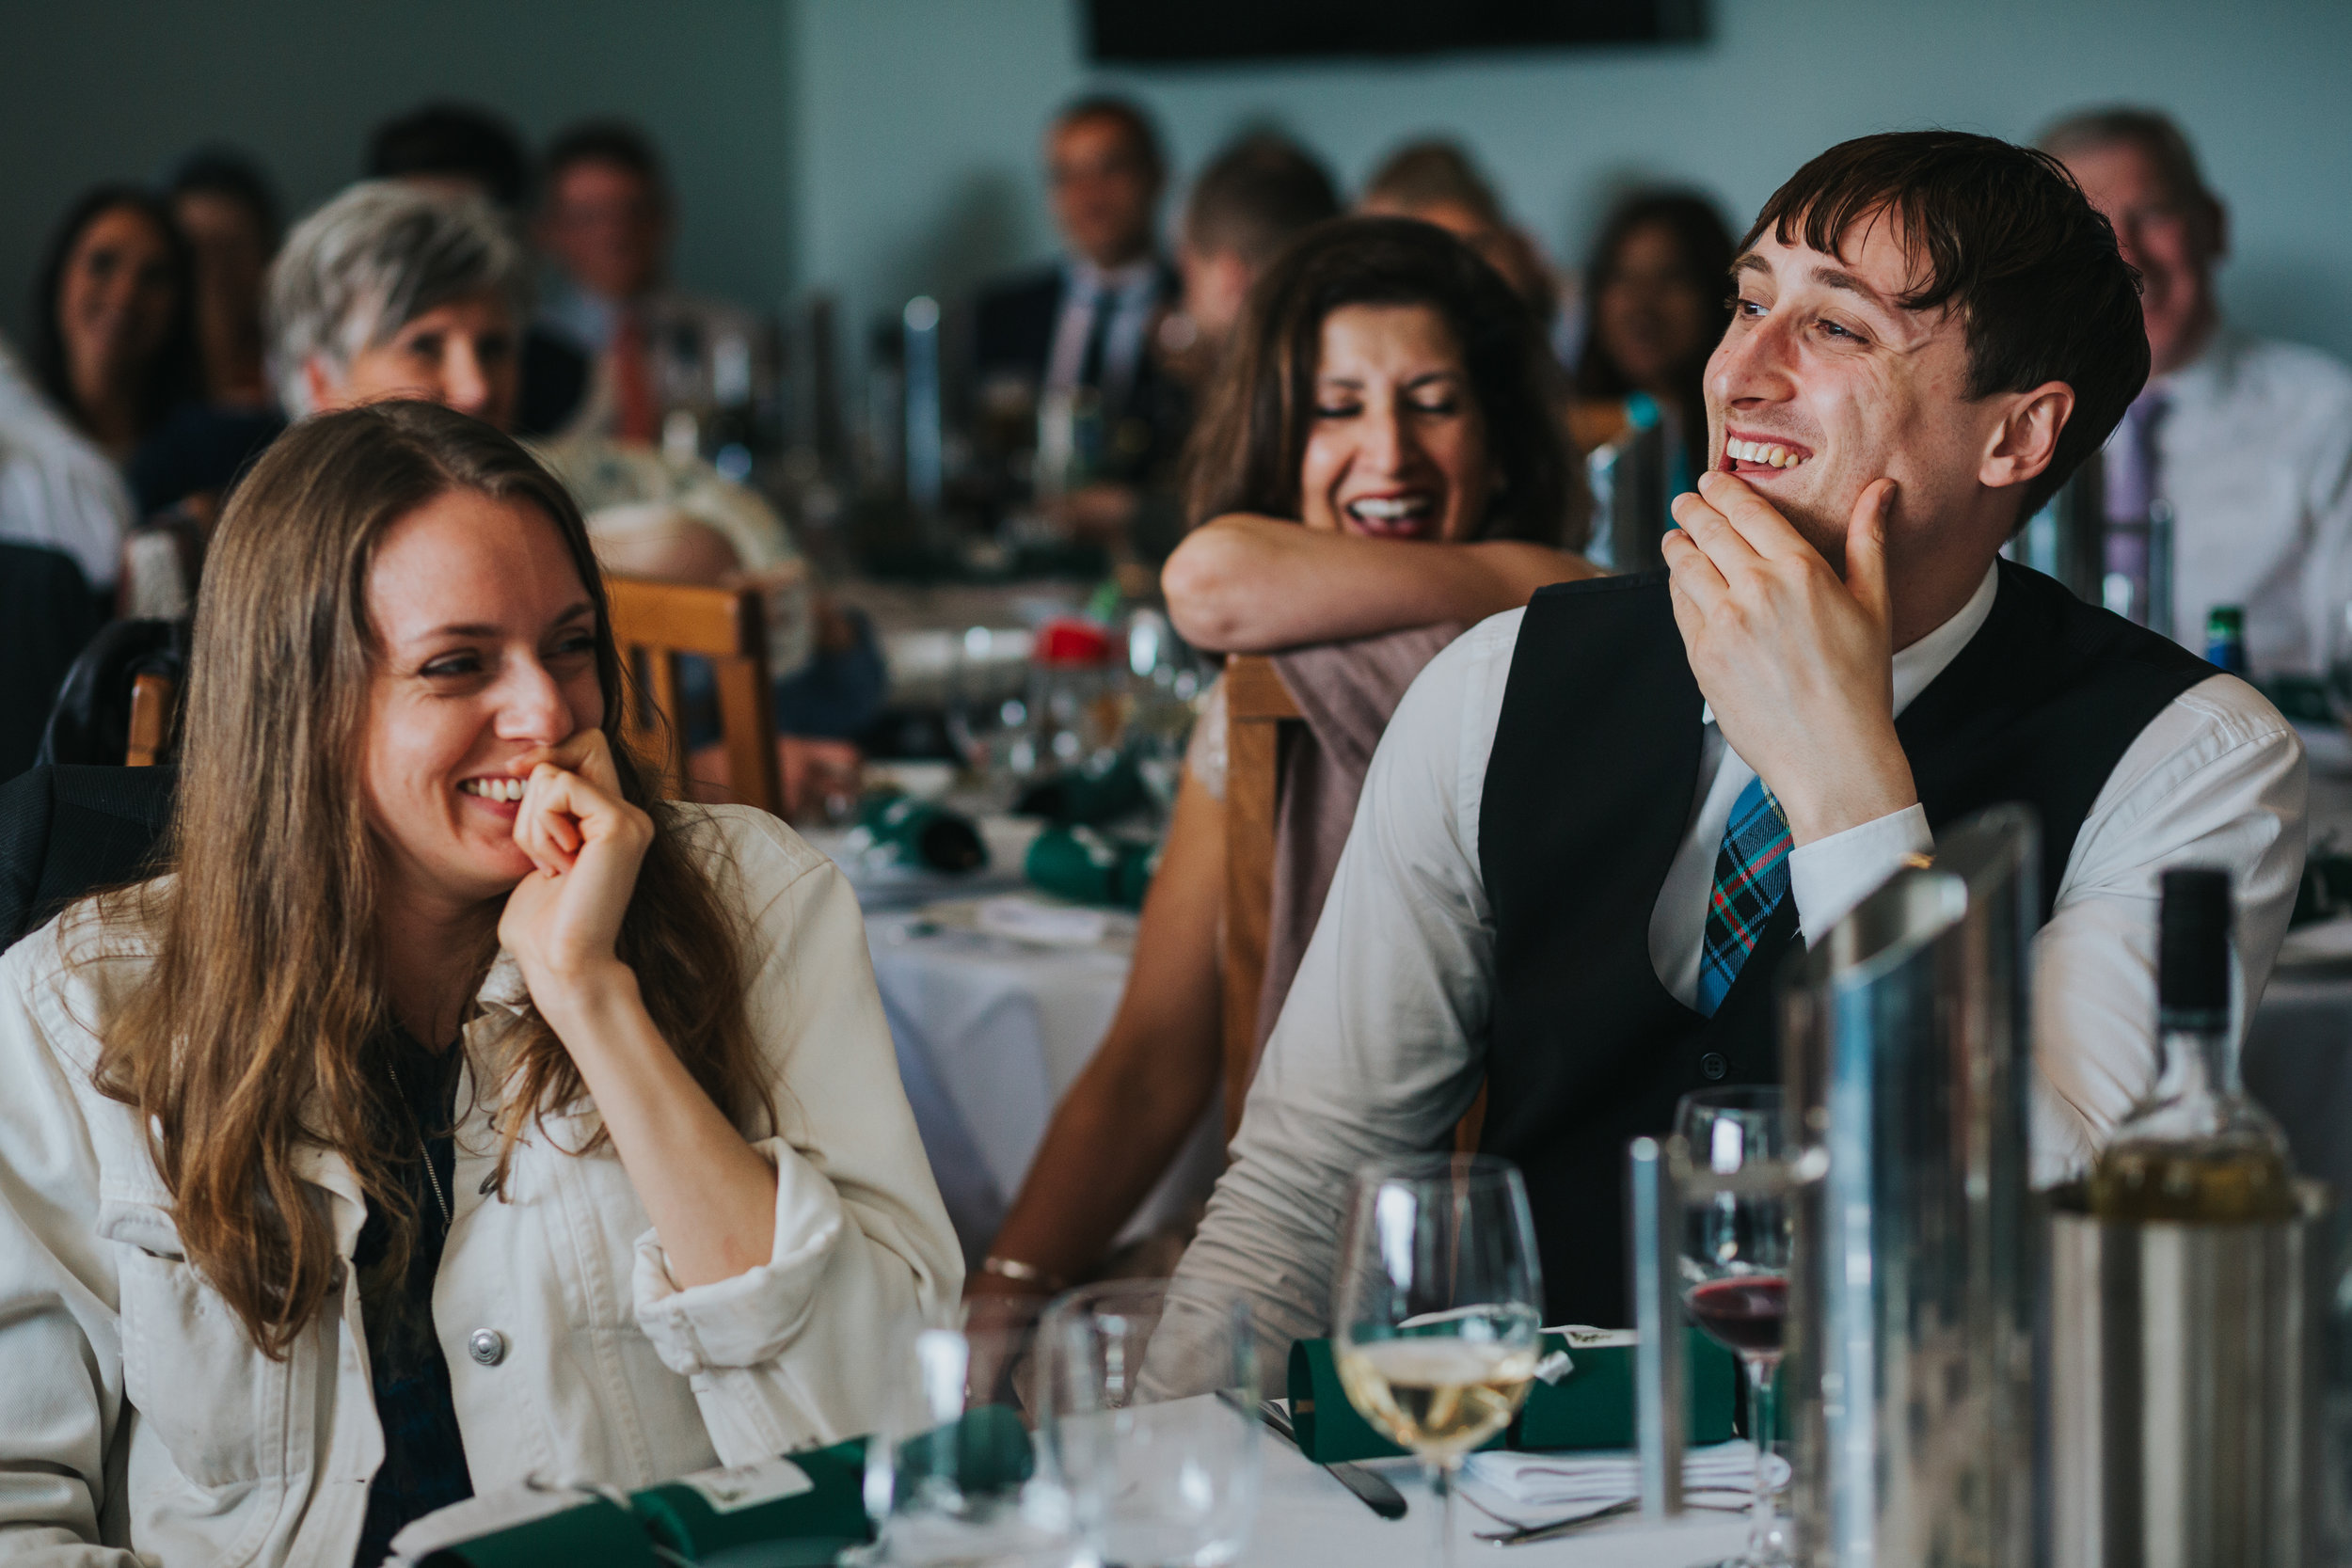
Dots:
{"x": 1254, "y": 197}
{"x": 1438, "y": 182}
{"x": 1069, "y": 343}
{"x": 47, "y": 613}
{"x": 1424, "y": 489}
{"x": 2248, "y": 440}
{"x": 393, "y": 290}
{"x": 114, "y": 346}
{"x": 224, "y": 206}
{"x": 606, "y": 217}
{"x": 461, "y": 147}
{"x": 1656, "y": 288}
{"x": 56, "y": 489}
{"x": 1596, "y": 826}
{"x": 638, "y": 1043}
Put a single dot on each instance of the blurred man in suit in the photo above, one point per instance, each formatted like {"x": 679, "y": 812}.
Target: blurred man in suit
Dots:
{"x": 2240, "y": 446}
{"x": 1072, "y": 339}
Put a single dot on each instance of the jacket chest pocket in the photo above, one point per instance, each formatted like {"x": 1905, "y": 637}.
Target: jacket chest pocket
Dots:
{"x": 198, "y": 1383}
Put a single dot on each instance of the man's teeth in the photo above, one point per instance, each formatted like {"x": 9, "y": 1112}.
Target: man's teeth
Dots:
{"x": 493, "y": 789}
{"x": 1771, "y": 456}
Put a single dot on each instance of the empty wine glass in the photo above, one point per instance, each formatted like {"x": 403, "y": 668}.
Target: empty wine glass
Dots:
{"x": 1156, "y": 1481}
{"x": 953, "y": 1473}
{"x": 1738, "y": 1207}
{"x": 1435, "y": 1328}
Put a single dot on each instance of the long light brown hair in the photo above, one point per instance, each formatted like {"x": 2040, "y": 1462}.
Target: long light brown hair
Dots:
{"x": 262, "y": 1024}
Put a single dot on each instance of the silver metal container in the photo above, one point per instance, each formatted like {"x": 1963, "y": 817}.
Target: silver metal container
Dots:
{"x": 2185, "y": 1366}
{"x": 1905, "y": 1059}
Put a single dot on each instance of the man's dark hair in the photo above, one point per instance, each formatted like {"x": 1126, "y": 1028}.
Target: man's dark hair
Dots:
{"x": 1245, "y": 452}
{"x": 606, "y": 141}
{"x": 2003, "y": 236}
{"x": 224, "y": 171}
{"x": 453, "y": 140}
{"x": 1131, "y": 118}
{"x": 1256, "y": 197}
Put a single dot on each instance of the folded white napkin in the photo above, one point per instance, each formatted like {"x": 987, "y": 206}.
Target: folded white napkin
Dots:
{"x": 1540, "y": 1488}
{"x": 1045, "y": 925}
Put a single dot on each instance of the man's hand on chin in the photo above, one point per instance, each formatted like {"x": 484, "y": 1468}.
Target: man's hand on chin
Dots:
{"x": 1797, "y": 664}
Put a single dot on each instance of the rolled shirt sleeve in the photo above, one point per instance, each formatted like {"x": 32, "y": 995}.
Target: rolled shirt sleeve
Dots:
{"x": 790, "y": 1352}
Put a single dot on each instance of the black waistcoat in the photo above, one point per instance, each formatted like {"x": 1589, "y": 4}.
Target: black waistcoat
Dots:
{"x": 1589, "y": 790}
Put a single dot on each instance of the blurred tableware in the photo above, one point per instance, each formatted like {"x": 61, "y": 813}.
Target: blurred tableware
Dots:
{"x": 1436, "y": 1322}
{"x": 1736, "y": 1224}
{"x": 953, "y": 1473}
{"x": 1156, "y": 1483}
{"x": 1372, "y": 1488}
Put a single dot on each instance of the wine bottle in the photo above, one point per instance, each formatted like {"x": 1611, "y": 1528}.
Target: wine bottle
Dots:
{"x": 2196, "y": 1148}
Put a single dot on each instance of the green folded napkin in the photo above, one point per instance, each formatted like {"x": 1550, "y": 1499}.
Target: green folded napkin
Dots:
{"x": 597, "y": 1534}
{"x": 749, "y": 1504}
{"x": 1592, "y": 1407}
{"x": 1089, "y": 795}
{"x": 921, "y": 832}
{"x": 1086, "y": 867}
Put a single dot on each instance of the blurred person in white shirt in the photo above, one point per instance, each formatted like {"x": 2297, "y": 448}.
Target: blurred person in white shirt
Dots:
{"x": 56, "y": 488}
{"x": 2248, "y": 440}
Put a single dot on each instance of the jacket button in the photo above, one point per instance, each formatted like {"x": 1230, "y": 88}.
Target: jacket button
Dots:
{"x": 486, "y": 1346}
{"x": 1714, "y": 1067}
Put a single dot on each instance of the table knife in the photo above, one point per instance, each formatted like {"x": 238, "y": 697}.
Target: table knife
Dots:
{"x": 1372, "y": 1488}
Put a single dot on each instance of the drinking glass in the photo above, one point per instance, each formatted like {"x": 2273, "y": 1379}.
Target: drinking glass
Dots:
{"x": 953, "y": 1473}
{"x": 1434, "y": 1327}
{"x": 1156, "y": 1481}
{"x": 1734, "y": 1261}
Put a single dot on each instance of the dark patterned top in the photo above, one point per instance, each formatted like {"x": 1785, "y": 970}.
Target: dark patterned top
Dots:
{"x": 424, "y": 1456}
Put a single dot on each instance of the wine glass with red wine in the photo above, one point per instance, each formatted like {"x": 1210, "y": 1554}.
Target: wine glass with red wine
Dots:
{"x": 1737, "y": 1206}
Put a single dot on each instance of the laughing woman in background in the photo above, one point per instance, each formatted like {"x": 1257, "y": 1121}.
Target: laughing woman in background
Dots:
{"x": 454, "y": 1112}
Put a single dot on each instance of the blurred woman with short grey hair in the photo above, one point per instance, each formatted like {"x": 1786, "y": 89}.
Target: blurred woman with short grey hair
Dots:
{"x": 402, "y": 290}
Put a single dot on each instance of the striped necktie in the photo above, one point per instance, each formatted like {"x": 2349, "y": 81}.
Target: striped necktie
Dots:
{"x": 1751, "y": 878}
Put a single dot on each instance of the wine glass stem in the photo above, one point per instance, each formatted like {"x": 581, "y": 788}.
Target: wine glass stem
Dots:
{"x": 1442, "y": 1483}
{"x": 1760, "y": 1371}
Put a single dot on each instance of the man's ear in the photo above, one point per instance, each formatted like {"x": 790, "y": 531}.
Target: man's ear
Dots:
{"x": 2026, "y": 438}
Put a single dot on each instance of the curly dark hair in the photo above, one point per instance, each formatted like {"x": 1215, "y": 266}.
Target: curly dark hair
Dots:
{"x": 1245, "y": 452}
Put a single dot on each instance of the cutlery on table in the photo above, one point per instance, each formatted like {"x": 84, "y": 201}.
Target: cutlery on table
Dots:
{"x": 1373, "y": 1489}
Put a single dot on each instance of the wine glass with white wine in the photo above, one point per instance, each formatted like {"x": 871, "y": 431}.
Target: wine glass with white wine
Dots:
{"x": 1435, "y": 1328}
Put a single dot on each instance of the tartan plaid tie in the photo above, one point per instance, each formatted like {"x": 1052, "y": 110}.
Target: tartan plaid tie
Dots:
{"x": 1751, "y": 876}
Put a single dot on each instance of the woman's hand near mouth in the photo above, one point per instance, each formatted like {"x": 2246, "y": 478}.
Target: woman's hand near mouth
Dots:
{"x": 585, "y": 844}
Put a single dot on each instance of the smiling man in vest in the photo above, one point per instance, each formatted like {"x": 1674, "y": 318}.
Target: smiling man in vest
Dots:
{"x": 1596, "y": 826}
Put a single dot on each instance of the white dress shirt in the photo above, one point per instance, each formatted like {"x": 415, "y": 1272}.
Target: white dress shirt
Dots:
{"x": 2255, "y": 453}
{"x": 56, "y": 488}
{"x": 1129, "y": 292}
{"x": 136, "y": 1418}
{"x": 1380, "y": 1047}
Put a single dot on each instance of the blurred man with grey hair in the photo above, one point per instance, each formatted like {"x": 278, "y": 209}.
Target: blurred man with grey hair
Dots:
{"x": 2240, "y": 448}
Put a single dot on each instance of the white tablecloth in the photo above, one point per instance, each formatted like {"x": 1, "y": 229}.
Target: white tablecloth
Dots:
{"x": 1309, "y": 1520}
{"x": 990, "y": 1033}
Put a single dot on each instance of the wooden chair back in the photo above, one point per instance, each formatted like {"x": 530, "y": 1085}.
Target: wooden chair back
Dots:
{"x": 153, "y": 699}
{"x": 1257, "y": 705}
{"x": 658, "y": 622}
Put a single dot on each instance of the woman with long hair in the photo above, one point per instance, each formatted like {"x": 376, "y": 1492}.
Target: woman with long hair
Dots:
{"x": 1379, "y": 452}
{"x": 1659, "y": 291}
{"x": 115, "y": 347}
{"x": 453, "y": 1111}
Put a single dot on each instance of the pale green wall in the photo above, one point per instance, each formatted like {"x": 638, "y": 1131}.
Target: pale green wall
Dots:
{"x": 917, "y": 119}
{"x": 91, "y": 89}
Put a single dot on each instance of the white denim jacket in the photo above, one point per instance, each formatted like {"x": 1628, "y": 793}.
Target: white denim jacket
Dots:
{"x": 138, "y": 1422}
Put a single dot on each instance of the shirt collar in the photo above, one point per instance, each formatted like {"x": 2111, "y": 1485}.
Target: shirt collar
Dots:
{"x": 1086, "y": 277}
{"x": 2208, "y": 376}
{"x": 1916, "y": 667}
